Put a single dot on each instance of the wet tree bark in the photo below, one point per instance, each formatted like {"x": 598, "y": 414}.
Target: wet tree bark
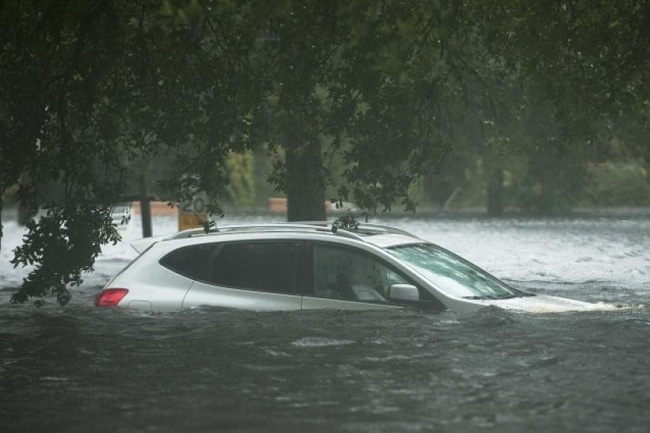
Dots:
{"x": 305, "y": 181}
{"x": 495, "y": 193}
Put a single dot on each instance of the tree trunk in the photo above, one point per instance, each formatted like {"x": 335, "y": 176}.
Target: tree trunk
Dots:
{"x": 26, "y": 206}
{"x": 305, "y": 181}
{"x": 1, "y": 226}
{"x": 495, "y": 193}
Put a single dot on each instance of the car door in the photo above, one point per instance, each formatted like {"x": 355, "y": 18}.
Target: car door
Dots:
{"x": 347, "y": 279}
{"x": 250, "y": 275}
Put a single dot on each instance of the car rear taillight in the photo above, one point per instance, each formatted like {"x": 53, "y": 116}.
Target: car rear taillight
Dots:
{"x": 110, "y": 297}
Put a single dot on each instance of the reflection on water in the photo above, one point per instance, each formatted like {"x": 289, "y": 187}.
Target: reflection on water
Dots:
{"x": 78, "y": 369}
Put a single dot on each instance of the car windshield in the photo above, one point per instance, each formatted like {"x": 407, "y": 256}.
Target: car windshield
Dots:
{"x": 452, "y": 274}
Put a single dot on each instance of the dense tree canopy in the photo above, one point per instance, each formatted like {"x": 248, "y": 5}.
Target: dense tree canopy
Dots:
{"x": 361, "y": 97}
{"x": 595, "y": 53}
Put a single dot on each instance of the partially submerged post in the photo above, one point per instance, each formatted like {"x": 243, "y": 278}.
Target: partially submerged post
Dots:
{"x": 145, "y": 210}
{"x": 145, "y": 206}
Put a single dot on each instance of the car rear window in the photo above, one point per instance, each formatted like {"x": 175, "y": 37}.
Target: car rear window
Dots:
{"x": 188, "y": 261}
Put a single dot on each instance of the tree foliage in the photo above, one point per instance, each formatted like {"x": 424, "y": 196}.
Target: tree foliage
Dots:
{"x": 577, "y": 65}
{"x": 590, "y": 57}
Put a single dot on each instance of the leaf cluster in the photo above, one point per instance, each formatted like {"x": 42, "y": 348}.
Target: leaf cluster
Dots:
{"x": 62, "y": 246}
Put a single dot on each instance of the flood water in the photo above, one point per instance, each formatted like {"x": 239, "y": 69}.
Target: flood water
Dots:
{"x": 78, "y": 369}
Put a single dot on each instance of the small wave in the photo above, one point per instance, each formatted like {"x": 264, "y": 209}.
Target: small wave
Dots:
{"x": 320, "y": 342}
{"x": 54, "y": 379}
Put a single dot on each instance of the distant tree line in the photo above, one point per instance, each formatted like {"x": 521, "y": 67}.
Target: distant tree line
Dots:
{"x": 355, "y": 101}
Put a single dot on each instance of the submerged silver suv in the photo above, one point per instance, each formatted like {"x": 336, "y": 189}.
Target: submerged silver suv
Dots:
{"x": 297, "y": 266}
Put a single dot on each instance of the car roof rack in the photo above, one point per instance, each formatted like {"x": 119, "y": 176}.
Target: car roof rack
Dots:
{"x": 381, "y": 229}
{"x": 322, "y": 226}
{"x": 363, "y": 229}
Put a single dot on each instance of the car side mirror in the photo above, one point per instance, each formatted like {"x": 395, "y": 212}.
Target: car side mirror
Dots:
{"x": 404, "y": 292}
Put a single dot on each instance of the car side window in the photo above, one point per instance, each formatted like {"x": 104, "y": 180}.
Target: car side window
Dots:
{"x": 343, "y": 273}
{"x": 264, "y": 266}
